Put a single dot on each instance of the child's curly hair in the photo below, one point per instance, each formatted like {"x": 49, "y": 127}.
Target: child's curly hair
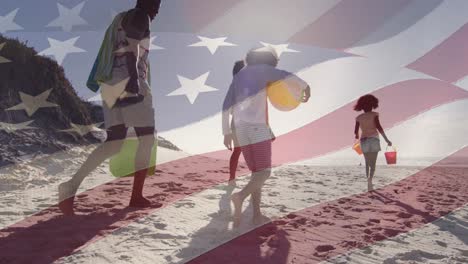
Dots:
{"x": 367, "y": 103}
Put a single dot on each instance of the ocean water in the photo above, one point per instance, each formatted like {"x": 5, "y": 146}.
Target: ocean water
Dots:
{"x": 401, "y": 161}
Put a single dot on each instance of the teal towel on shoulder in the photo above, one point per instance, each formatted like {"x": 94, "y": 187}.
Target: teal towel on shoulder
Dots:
{"x": 102, "y": 68}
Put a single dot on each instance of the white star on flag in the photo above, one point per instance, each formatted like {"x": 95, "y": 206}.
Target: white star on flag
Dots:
{"x": 68, "y": 17}
{"x": 280, "y": 48}
{"x": 60, "y": 49}
{"x": 32, "y": 103}
{"x": 3, "y": 59}
{"x": 111, "y": 92}
{"x": 152, "y": 46}
{"x": 192, "y": 88}
{"x": 9, "y": 127}
{"x": 7, "y": 24}
{"x": 212, "y": 43}
{"x": 83, "y": 129}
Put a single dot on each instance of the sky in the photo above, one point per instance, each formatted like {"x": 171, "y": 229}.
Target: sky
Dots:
{"x": 343, "y": 49}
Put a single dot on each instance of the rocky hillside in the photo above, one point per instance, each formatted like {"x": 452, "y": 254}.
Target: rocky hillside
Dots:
{"x": 37, "y": 103}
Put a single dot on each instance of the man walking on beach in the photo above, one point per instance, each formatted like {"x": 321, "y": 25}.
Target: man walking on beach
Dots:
{"x": 121, "y": 71}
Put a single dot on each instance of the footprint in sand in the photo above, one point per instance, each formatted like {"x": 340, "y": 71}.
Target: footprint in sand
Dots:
{"x": 86, "y": 210}
{"x": 414, "y": 256}
{"x": 301, "y": 221}
{"x": 45, "y": 205}
{"x": 324, "y": 248}
{"x": 192, "y": 175}
{"x": 389, "y": 212}
{"x": 404, "y": 215}
{"x": 185, "y": 204}
{"x": 343, "y": 200}
{"x": 391, "y": 232}
{"x": 110, "y": 191}
{"x": 283, "y": 208}
{"x": 429, "y": 207}
{"x": 125, "y": 258}
{"x": 160, "y": 226}
{"x": 291, "y": 216}
{"x": 295, "y": 187}
{"x": 440, "y": 243}
{"x": 274, "y": 194}
{"x": 279, "y": 222}
{"x": 367, "y": 250}
{"x": 378, "y": 237}
{"x": 408, "y": 224}
{"x": 81, "y": 196}
{"x": 352, "y": 244}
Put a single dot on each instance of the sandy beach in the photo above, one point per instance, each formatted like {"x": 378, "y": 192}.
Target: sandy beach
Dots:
{"x": 195, "y": 225}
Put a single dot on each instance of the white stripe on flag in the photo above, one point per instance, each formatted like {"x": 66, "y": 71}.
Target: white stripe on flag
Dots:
{"x": 268, "y": 20}
{"x": 420, "y": 38}
{"x": 463, "y": 83}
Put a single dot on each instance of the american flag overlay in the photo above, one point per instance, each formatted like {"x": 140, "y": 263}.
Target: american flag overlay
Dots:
{"x": 317, "y": 204}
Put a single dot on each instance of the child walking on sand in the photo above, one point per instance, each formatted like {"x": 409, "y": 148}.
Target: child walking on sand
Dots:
{"x": 246, "y": 100}
{"x": 236, "y": 151}
{"x": 370, "y": 127}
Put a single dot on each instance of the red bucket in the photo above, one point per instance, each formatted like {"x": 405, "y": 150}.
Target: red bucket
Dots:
{"x": 357, "y": 147}
{"x": 391, "y": 156}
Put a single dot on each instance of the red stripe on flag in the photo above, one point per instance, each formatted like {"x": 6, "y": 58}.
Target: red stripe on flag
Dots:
{"x": 449, "y": 60}
{"x": 334, "y": 131}
{"x": 334, "y": 228}
{"x": 53, "y": 236}
{"x": 348, "y": 22}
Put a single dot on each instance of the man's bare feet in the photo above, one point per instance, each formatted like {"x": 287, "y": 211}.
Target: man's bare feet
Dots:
{"x": 140, "y": 202}
{"x": 237, "y": 202}
{"x": 66, "y": 198}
